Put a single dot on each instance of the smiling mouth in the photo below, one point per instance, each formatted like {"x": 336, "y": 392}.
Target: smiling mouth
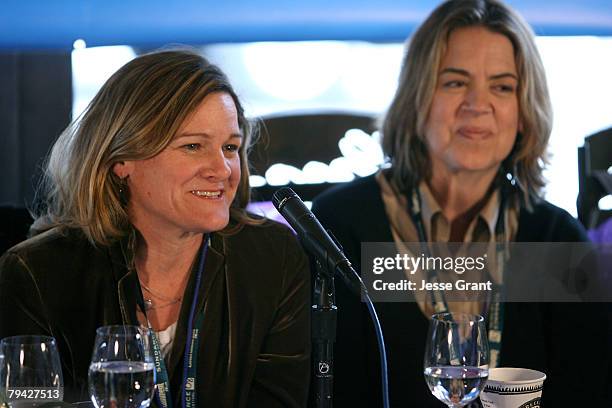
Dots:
{"x": 475, "y": 133}
{"x": 207, "y": 193}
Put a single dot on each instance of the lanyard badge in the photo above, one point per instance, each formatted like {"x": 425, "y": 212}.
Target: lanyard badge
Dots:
{"x": 163, "y": 396}
{"x": 495, "y": 311}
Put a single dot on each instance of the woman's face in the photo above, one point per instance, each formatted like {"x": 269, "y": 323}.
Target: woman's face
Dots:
{"x": 190, "y": 185}
{"x": 474, "y": 115}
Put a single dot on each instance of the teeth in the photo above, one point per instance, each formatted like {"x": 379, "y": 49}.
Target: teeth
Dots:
{"x": 201, "y": 193}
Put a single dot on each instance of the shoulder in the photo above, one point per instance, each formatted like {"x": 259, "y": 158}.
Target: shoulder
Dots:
{"x": 58, "y": 250}
{"x": 52, "y": 239}
{"x": 355, "y": 213}
{"x": 549, "y": 223}
{"x": 54, "y": 243}
{"x": 268, "y": 243}
{"x": 364, "y": 187}
{"x": 268, "y": 231}
{"x": 344, "y": 203}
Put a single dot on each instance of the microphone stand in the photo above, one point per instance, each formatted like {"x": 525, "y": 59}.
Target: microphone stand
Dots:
{"x": 329, "y": 259}
{"x": 324, "y": 312}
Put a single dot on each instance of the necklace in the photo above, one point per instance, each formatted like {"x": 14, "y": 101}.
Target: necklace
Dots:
{"x": 149, "y": 301}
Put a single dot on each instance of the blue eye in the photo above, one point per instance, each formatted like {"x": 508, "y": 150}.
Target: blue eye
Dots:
{"x": 192, "y": 147}
{"x": 231, "y": 148}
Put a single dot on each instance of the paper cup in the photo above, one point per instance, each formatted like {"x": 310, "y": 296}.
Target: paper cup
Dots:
{"x": 513, "y": 388}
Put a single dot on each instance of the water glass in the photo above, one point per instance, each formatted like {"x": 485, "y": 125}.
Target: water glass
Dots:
{"x": 122, "y": 370}
{"x": 456, "y": 364}
{"x": 3, "y": 402}
{"x": 30, "y": 371}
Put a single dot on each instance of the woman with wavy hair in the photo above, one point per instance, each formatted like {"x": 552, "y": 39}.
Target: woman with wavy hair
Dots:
{"x": 143, "y": 222}
{"x": 465, "y": 137}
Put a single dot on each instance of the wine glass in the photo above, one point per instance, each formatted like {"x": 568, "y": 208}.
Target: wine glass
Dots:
{"x": 456, "y": 357}
{"x": 3, "y": 402}
{"x": 122, "y": 370}
{"x": 31, "y": 372}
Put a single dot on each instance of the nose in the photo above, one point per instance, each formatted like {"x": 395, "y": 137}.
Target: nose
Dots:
{"x": 477, "y": 100}
{"x": 216, "y": 167}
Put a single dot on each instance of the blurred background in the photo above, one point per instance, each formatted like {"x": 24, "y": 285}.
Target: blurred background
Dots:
{"x": 317, "y": 75}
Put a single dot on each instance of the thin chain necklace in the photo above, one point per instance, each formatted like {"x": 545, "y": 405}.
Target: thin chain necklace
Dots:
{"x": 149, "y": 302}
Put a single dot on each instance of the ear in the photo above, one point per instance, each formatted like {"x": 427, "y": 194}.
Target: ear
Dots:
{"x": 123, "y": 169}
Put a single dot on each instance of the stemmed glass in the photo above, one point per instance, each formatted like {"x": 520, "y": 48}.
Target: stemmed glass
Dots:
{"x": 3, "y": 402}
{"x": 31, "y": 373}
{"x": 456, "y": 357}
{"x": 122, "y": 370}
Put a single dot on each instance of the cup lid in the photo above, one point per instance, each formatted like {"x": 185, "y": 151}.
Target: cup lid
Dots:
{"x": 514, "y": 376}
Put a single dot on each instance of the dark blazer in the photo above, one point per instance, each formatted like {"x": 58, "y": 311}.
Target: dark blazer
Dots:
{"x": 566, "y": 341}
{"x": 255, "y": 295}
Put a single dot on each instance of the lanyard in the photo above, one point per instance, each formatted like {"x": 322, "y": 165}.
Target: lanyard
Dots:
{"x": 495, "y": 313}
{"x": 163, "y": 397}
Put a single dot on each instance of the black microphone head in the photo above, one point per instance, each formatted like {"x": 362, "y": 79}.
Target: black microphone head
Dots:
{"x": 280, "y": 197}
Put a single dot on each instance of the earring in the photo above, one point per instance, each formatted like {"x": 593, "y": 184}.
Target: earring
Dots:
{"x": 512, "y": 175}
{"x": 122, "y": 184}
{"x": 123, "y": 190}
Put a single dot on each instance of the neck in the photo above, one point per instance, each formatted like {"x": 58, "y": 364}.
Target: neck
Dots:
{"x": 461, "y": 195}
{"x": 162, "y": 258}
{"x": 163, "y": 263}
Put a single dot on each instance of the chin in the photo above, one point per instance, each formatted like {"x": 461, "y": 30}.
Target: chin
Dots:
{"x": 484, "y": 169}
{"x": 475, "y": 163}
{"x": 216, "y": 223}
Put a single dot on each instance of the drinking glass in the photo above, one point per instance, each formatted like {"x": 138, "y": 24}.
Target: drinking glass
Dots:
{"x": 456, "y": 357}
{"x": 31, "y": 372}
{"x": 3, "y": 402}
{"x": 122, "y": 370}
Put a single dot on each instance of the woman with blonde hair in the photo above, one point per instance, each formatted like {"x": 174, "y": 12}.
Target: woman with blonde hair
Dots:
{"x": 466, "y": 137}
{"x": 144, "y": 223}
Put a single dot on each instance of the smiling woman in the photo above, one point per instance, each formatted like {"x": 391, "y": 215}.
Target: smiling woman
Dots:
{"x": 144, "y": 223}
{"x": 190, "y": 185}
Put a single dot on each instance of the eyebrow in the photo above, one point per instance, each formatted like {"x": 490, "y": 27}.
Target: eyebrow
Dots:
{"x": 207, "y": 136}
{"x": 451, "y": 70}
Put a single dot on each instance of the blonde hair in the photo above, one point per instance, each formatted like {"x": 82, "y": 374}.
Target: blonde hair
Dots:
{"x": 403, "y": 124}
{"x": 134, "y": 116}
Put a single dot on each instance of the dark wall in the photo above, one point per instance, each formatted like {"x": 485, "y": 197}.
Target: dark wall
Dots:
{"x": 35, "y": 106}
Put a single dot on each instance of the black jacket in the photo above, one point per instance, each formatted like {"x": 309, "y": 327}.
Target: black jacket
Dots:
{"x": 569, "y": 342}
{"x": 255, "y": 296}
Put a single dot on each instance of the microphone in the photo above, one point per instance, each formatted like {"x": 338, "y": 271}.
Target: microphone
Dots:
{"x": 317, "y": 242}
{"x": 315, "y": 239}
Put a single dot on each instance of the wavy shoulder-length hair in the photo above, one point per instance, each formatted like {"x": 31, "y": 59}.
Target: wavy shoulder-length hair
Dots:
{"x": 403, "y": 124}
{"x": 134, "y": 116}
